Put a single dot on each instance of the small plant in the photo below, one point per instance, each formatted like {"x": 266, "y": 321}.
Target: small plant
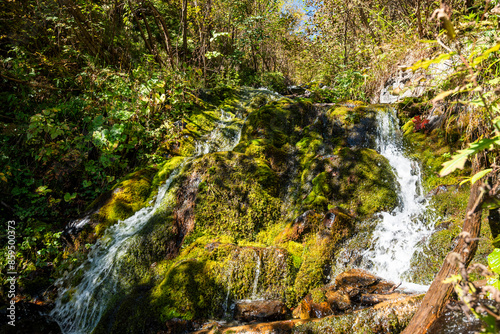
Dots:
{"x": 419, "y": 123}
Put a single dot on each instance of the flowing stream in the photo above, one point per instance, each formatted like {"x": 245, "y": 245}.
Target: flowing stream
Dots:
{"x": 399, "y": 233}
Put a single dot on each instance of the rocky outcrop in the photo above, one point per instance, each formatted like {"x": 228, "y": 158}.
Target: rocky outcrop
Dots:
{"x": 260, "y": 222}
{"x": 351, "y": 290}
{"x": 261, "y": 310}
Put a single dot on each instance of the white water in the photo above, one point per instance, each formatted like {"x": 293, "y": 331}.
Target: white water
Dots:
{"x": 224, "y": 137}
{"x": 78, "y": 309}
{"x": 257, "y": 275}
{"x": 399, "y": 233}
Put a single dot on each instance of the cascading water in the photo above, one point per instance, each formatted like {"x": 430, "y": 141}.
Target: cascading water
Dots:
{"x": 398, "y": 234}
{"x": 79, "y": 308}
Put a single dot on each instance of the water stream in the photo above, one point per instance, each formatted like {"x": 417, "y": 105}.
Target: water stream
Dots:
{"x": 400, "y": 232}
{"x": 79, "y": 308}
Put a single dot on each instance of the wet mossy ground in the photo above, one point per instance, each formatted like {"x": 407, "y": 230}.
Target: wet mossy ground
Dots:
{"x": 229, "y": 229}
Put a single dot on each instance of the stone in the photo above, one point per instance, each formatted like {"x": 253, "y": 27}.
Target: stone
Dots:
{"x": 338, "y": 300}
{"x": 387, "y": 317}
{"x": 262, "y": 310}
{"x": 355, "y": 278}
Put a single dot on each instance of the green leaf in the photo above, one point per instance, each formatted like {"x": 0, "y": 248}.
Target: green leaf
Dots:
{"x": 68, "y": 197}
{"x": 496, "y": 242}
{"x": 494, "y": 260}
{"x": 426, "y": 63}
{"x": 479, "y": 175}
{"x": 458, "y": 160}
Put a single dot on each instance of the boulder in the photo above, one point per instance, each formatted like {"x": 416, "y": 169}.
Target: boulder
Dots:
{"x": 355, "y": 278}
{"x": 338, "y": 300}
{"x": 353, "y": 289}
{"x": 262, "y": 310}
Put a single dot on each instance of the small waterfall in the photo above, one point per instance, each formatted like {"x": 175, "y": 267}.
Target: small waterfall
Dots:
{"x": 399, "y": 232}
{"x": 229, "y": 275}
{"x": 256, "y": 279}
{"x": 224, "y": 137}
{"x": 78, "y": 309}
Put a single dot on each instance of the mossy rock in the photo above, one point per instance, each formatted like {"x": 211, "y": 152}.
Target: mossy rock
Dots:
{"x": 450, "y": 206}
{"x": 366, "y": 183}
{"x": 432, "y": 150}
{"x": 386, "y": 317}
{"x": 237, "y": 195}
{"x": 126, "y": 198}
{"x": 206, "y": 278}
{"x": 280, "y": 122}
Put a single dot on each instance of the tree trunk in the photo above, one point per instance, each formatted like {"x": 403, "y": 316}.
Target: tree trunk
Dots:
{"x": 438, "y": 294}
{"x": 166, "y": 35}
{"x": 184, "y": 29}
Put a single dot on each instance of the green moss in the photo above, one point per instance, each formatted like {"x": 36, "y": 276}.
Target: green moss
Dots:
{"x": 188, "y": 291}
{"x": 347, "y": 114}
{"x": 198, "y": 282}
{"x": 296, "y": 251}
{"x": 165, "y": 170}
{"x": 126, "y": 198}
{"x": 238, "y": 198}
{"x": 433, "y": 149}
{"x": 312, "y": 273}
{"x": 367, "y": 183}
{"x": 318, "y": 295}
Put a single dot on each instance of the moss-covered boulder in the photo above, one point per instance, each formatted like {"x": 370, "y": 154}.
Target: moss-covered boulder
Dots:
{"x": 126, "y": 198}
{"x": 262, "y": 221}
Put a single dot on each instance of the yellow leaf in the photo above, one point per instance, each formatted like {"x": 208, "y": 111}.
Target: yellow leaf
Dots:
{"x": 443, "y": 95}
{"x": 485, "y": 55}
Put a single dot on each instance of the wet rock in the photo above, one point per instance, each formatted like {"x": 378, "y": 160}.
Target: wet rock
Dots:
{"x": 296, "y": 90}
{"x": 263, "y": 310}
{"x": 285, "y": 326}
{"x": 355, "y": 278}
{"x": 352, "y": 289}
{"x": 359, "y": 134}
{"x": 373, "y": 299}
{"x": 301, "y": 225}
{"x": 308, "y": 309}
{"x": 335, "y": 219}
{"x": 338, "y": 300}
{"x": 386, "y": 317}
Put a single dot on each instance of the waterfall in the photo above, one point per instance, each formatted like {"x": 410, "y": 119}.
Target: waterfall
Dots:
{"x": 398, "y": 234}
{"x": 79, "y": 308}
